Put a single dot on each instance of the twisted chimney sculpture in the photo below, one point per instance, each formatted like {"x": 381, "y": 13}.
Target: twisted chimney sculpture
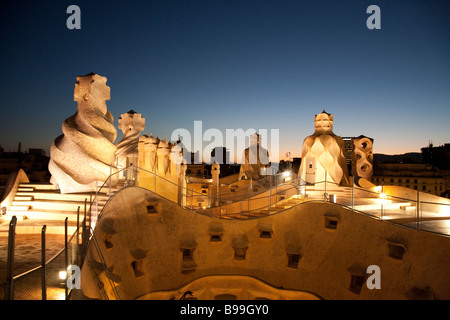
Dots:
{"x": 84, "y": 154}
{"x": 131, "y": 124}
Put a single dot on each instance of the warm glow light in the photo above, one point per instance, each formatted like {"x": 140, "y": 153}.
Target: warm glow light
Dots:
{"x": 445, "y": 209}
{"x": 382, "y": 195}
{"x": 62, "y": 275}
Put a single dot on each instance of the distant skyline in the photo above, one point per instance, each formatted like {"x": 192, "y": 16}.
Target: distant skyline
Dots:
{"x": 233, "y": 64}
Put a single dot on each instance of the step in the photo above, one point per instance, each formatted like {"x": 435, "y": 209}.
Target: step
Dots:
{"x": 290, "y": 202}
{"x": 25, "y": 189}
{"x": 57, "y": 215}
{"x": 53, "y": 204}
{"x": 23, "y": 198}
{"x": 282, "y": 207}
{"x": 404, "y": 207}
{"x": 377, "y": 206}
{"x": 54, "y": 195}
{"x": 16, "y": 207}
{"x": 38, "y": 186}
{"x": 35, "y": 227}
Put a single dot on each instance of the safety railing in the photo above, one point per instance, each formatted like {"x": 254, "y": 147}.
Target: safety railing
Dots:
{"x": 410, "y": 212}
{"x": 278, "y": 193}
{"x": 97, "y": 267}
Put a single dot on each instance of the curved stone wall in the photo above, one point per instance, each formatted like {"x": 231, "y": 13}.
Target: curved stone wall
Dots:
{"x": 150, "y": 245}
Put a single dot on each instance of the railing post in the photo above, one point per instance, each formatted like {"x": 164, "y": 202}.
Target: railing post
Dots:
{"x": 43, "y": 266}
{"x": 240, "y": 213}
{"x": 66, "y": 255}
{"x": 110, "y": 174}
{"x": 353, "y": 193}
{"x": 10, "y": 259}
{"x": 418, "y": 212}
{"x": 96, "y": 205}
{"x": 78, "y": 234}
{"x": 83, "y": 233}
{"x": 270, "y": 190}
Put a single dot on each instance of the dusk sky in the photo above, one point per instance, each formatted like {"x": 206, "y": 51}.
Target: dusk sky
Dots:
{"x": 232, "y": 64}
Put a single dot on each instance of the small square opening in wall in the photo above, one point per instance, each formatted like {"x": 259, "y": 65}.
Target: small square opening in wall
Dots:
{"x": 215, "y": 237}
{"x": 107, "y": 241}
{"x": 396, "y": 250}
{"x": 356, "y": 283}
{"x": 265, "y": 231}
{"x": 153, "y": 207}
{"x": 138, "y": 268}
{"x": 265, "y": 234}
{"x": 239, "y": 253}
{"x": 331, "y": 223}
{"x": 188, "y": 264}
{"x": 293, "y": 260}
{"x": 187, "y": 254}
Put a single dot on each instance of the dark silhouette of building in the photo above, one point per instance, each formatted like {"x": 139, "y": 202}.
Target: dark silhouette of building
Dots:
{"x": 437, "y": 156}
{"x": 220, "y": 155}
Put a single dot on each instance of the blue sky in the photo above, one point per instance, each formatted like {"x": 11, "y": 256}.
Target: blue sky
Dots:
{"x": 233, "y": 64}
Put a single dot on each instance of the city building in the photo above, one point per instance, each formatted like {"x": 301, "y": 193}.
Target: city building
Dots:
{"x": 422, "y": 177}
{"x": 437, "y": 156}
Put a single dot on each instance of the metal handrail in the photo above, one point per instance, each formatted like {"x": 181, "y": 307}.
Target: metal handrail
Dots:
{"x": 296, "y": 183}
{"x": 93, "y": 241}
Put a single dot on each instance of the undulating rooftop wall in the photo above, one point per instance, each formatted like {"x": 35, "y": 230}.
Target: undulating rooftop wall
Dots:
{"x": 149, "y": 244}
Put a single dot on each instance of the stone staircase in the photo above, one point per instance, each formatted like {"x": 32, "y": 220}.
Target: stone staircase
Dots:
{"x": 276, "y": 207}
{"x": 342, "y": 195}
{"x": 37, "y": 204}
